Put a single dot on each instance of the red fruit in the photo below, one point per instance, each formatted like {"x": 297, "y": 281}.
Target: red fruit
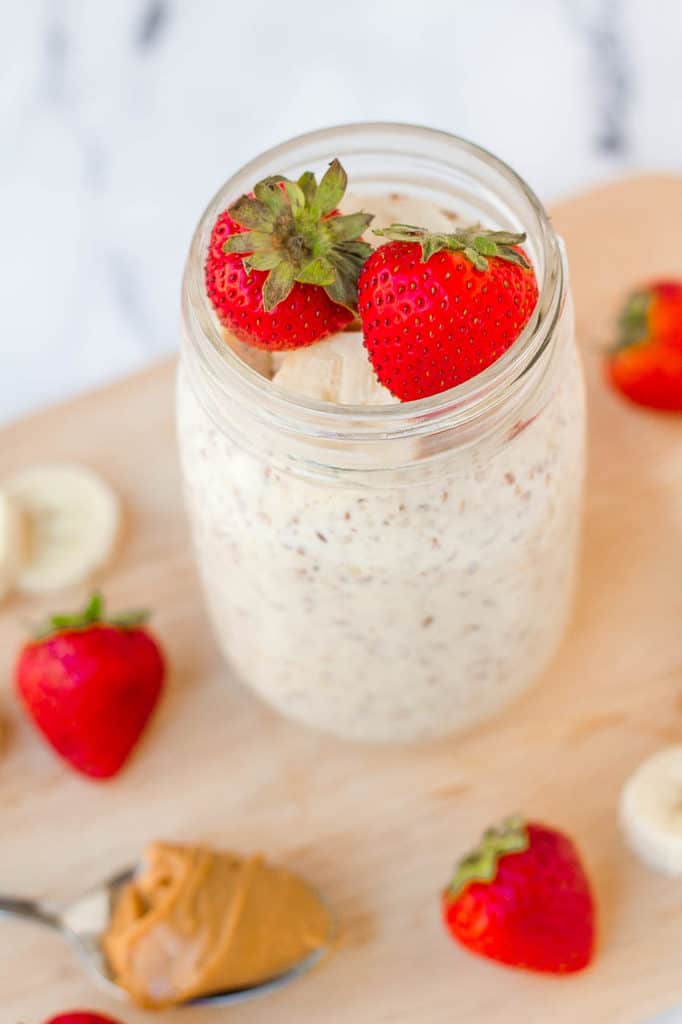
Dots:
{"x": 90, "y": 685}
{"x": 283, "y": 265}
{"x": 81, "y": 1017}
{"x": 645, "y": 364}
{"x": 523, "y": 898}
{"x": 438, "y": 309}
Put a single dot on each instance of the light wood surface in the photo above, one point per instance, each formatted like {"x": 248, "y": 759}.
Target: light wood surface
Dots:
{"x": 378, "y": 830}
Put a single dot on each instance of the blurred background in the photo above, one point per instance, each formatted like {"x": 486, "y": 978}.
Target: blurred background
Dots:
{"x": 119, "y": 120}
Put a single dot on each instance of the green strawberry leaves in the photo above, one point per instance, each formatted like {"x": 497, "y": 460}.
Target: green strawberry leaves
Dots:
{"x": 266, "y": 260}
{"x": 91, "y": 615}
{"x": 477, "y": 244}
{"x": 278, "y": 283}
{"x": 293, "y": 237}
{"x": 320, "y": 271}
{"x": 633, "y": 322}
{"x": 481, "y": 864}
{"x": 267, "y": 192}
{"x": 249, "y": 241}
{"x": 308, "y": 186}
{"x": 254, "y": 214}
{"x": 349, "y": 227}
{"x": 331, "y": 190}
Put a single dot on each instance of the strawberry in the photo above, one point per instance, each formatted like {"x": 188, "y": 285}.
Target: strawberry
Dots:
{"x": 90, "y": 684}
{"x": 645, "y": 364}
{"x": 81, "y": 1017}
{"x": 437, "y": 309}
{"x": 283, "y": 265}
{"x": 523, "y": 898}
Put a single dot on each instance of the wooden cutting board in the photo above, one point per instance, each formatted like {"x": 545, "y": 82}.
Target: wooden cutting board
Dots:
{"x": 378, "y": 830}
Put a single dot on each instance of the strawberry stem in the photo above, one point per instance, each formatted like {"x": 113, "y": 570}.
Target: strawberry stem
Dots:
{"x": 292, "y": 235}
{"x": 481, "y": 864}
{"x": 476, "y": 243}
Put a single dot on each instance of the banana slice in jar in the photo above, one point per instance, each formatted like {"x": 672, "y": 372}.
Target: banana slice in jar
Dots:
{"x": 72, "y": 519}
{"x": 651, "y": 811}
{"x": 337, "y": 370}
{"x": 397, "y": 208}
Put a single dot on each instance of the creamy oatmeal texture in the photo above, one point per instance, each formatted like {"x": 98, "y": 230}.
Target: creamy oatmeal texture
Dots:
{"x": 394, "y": 614}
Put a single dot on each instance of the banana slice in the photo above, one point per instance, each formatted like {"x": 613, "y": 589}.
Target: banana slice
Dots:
{"x": 397, "y": 208}
{"x": 276, "y": 360}
{"x": 12, "y": 542}
{"x": 337, "y": 370}
{"x": 73, "y": 519}
{"x": 651, "y": 811}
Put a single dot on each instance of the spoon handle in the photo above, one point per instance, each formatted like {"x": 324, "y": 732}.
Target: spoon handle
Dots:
{"x": 29, "y": 910}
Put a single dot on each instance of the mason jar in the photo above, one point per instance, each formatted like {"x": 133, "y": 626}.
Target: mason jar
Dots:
{"x": 394, "y": 572}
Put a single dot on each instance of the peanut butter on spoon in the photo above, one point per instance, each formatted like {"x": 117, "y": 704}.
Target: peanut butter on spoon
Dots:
{"x": 196, "y": 922}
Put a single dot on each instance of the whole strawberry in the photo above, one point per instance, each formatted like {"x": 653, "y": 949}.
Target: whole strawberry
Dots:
{"x": 437, "y": 309}
{"x": 81, "y": 1017}
{"x": 645, "y": 364}
{"x": 523, "y": 898}
{"x": 90, "y": 684}
{"x": 282, "y": 265}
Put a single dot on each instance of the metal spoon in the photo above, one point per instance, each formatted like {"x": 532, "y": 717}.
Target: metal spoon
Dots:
{"x": 82, "y": 923}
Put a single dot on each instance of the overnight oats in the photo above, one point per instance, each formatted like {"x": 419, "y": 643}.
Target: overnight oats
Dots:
{"x": 381, "y": 424}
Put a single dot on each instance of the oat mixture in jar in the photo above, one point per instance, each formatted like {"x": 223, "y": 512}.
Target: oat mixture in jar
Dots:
{"x": 389, "y": 571}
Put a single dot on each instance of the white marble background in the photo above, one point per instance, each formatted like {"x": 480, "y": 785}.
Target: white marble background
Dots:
{"x": 119, "y": 120}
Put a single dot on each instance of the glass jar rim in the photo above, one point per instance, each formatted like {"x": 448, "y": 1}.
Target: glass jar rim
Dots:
{"x": 468, "y": 400}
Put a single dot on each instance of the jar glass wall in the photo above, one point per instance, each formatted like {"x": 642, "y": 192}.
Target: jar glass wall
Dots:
{"x": 396, "y": 572}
